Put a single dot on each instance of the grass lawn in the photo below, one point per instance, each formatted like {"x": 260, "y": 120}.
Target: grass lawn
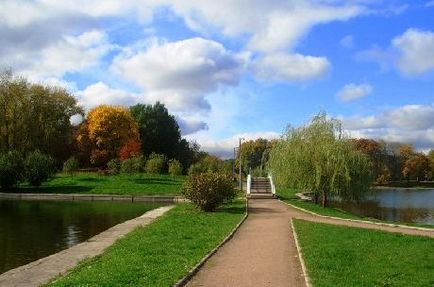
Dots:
{"x": 288, "y": 195}
{"x": 343, "y": 256}
{"x": 126, "y": 184}
{"x": 161, "y": 253}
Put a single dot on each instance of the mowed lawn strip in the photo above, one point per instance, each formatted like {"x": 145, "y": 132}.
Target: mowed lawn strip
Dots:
{"x": 160, "y": 253}
{"x": 343, "y": 256}
{"x": 121, "y": 184}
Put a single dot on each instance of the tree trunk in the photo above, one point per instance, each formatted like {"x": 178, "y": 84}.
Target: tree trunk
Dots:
{"x": 324, "y": 199}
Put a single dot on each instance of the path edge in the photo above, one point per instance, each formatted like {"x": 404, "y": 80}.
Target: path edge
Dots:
{"x": 183, "y": 281}
{"x": 300, "y": 256}
{"x": 359, "y": 221}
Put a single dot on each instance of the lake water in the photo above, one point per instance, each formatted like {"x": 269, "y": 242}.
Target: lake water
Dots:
{"x": 396, "y": 205}
{"x": 30, "y": 230}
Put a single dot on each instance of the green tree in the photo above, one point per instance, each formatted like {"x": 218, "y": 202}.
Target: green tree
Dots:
{"x": 319, "y": 158}
{"x": 159, "y": 131}
{"x": 71, "y": 166}
{"x": 254, "y": 155}
{"x": 35, "y": 117}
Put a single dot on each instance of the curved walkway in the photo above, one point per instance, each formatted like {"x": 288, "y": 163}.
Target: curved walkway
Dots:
{"x": 263, "y": 251}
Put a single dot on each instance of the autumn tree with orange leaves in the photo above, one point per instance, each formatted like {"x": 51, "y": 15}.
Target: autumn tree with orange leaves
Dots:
{"x": 106, "y": 129}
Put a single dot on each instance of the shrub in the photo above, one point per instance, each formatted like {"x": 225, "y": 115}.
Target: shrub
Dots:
{"x": 114, "y": 166}
{"x": 38, "y": 168}
{"x": 11, "y": 169}
{"x": 175, "y": 167}
{"x": 71, "y": 166}
{"x": 155, "y": 164}
{"x": 130, "y": 149}
{"x": 132, "y": 165}
{"x": 208, "y": 190}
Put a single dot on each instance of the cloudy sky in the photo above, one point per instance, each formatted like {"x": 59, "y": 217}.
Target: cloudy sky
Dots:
{"x": 237, "y": 68}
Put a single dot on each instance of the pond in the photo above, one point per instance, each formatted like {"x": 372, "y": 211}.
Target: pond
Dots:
{"x": 30, "y": 230}
{"x": 396, "y": 205}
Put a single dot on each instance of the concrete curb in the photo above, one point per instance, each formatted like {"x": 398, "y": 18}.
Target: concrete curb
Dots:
{"x": 300, "y": 256}
{"x": 360, "y": 221}
{"x": 183, "y": 281}
{"x": 91, "y": 197}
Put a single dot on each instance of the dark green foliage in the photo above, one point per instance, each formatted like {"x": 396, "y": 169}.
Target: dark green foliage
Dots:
{"x": 208, "y": 190}
{"x": 175, "y": 167}
{"x": 71, "y": 166}
{"x": 114, "y": 166}
{"x": 36, "y": 116}
{"x": 133, "y": 165}
{"x": 210, "y": 163}
{"x": 159, "y": 131}
{"x": 11, "y": 169}
{"x": 39, "y": 167}
{"x": 156, "y": 164}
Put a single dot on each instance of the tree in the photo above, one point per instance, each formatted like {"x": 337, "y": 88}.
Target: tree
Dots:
{"x": 375, "y": 151}
{"x": 318, "y": 157}
{"x": 36, "y": 117}
{"x": 254, "y": 154}
{"x": 416, "y": 167}
{"x": 130, "y": 149}
{"x": 106, "y": 130}
{"x": 159, "y": 131}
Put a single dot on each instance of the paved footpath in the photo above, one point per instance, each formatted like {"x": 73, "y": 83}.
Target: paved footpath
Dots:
{"x": 263, "y": 251}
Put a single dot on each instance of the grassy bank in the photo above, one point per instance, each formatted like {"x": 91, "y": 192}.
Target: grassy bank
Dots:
{"x": 128, "y": 184}
{"x": 342, "y": 256}
{"x": 161, "y": 253}
{"x": 288, "y": 195}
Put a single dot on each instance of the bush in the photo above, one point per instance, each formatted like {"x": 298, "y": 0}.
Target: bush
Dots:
{"x": 11, "y": 169}
{"x": 71, "y": 166}
{"x": 130, "y": 149}
{"x": 114, "y": 166}
{"x": 208, "y": 190}
{"x": 175, "y": 167}
{"x": 133, "y": 165}
{"x": 38, "y": 168}
{"x": 155, "y": 164}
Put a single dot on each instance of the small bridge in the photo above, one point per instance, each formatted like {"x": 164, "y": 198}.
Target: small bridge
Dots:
{"x": 260, "y": 187}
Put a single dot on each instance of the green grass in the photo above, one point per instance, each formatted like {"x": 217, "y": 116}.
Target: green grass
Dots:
{"x": 161, "y": 253}
{"x": 342, "y": 256}
{"x": 125, "y": 184}
{"x": 288, "y": 195}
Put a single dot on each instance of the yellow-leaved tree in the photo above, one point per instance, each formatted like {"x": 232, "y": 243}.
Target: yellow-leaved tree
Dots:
{"x": 107, "y": 128}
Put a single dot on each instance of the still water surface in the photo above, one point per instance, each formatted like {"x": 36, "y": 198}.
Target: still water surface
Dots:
{"x": 30, "y": 230}
{"x": 397, "y": 205}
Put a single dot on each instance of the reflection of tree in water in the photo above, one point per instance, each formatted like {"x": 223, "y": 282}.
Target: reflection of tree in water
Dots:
{"x": 372, "y": 209}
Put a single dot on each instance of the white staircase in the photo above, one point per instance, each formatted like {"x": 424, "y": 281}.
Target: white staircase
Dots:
{"x": 260, "y": 187}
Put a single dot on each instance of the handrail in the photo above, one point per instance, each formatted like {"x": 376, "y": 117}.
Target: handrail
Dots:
{"x": 273, "y": 187}
{"x": 249, "y": 183}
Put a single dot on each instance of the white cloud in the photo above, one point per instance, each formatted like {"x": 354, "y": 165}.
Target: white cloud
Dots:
{"x": 408, "y": 124}
{"x": 347, "y": 42}
{"x": 181, "y": 73}
{"x": 416, "y": 52}
{"x": 99, "y": 93}
{"x": 353, "y": 92}
{"x": 70, "y": 54}
{"x": 224, "y": 148}
{"x": 290, "y": 67}
{"x": 190, "y": 125}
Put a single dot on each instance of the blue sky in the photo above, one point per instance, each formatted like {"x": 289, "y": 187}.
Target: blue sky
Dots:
{"x": 237, "y": 68}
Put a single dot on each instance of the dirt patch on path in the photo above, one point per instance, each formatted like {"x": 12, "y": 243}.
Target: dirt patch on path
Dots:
{"x": 261, "y": 253}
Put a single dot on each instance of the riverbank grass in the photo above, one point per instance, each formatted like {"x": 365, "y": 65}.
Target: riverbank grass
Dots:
{"x": 122, "y": 184}
{"x": 343, "y": 256}
{"x": 161, "y": 253}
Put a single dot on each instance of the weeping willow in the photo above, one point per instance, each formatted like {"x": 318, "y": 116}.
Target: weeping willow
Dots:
{"x": 319, "y": 158}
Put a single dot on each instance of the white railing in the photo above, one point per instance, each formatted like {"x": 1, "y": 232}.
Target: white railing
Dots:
{"x": 249, "y": 183}
{"x": 273, "y": 187}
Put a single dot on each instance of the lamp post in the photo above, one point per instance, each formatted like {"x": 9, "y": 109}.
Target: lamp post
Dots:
{"x": 239, "y": 162}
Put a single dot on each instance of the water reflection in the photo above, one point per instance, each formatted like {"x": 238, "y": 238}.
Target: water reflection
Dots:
{"x": 30, "y": 230}
{"x": 397, "y": 205}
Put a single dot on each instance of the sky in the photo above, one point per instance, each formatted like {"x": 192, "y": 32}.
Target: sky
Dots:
{"x": 233, "y": 69}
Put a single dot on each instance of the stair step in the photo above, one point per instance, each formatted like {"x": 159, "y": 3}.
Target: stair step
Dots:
{"x": 261, "y": 195}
